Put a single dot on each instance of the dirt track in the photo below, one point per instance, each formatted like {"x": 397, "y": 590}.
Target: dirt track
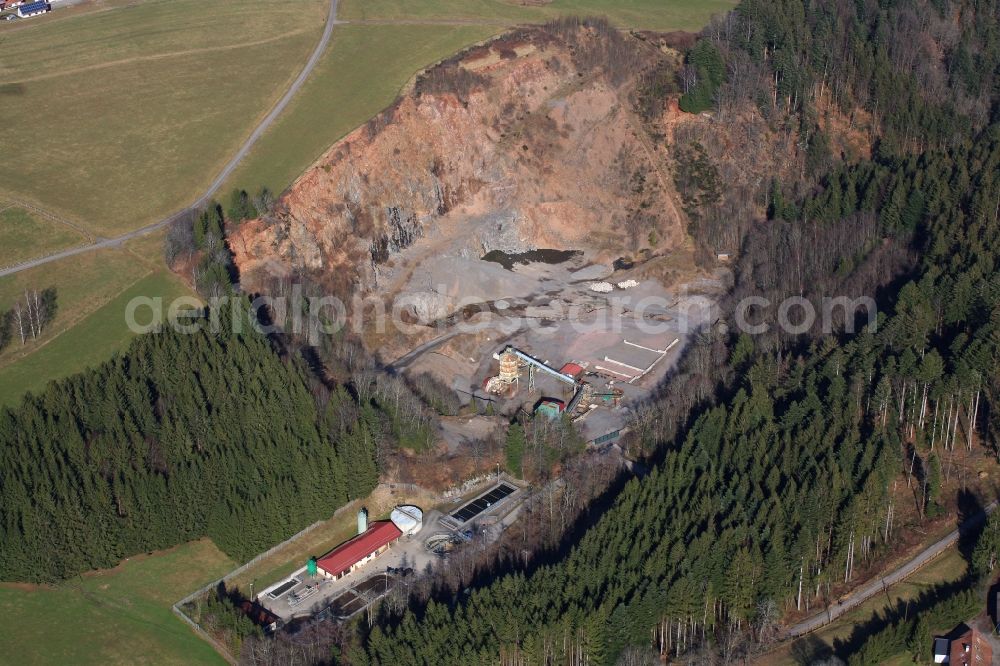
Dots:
{"x": 879, "y": 584}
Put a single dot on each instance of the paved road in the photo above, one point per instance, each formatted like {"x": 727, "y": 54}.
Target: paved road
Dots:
{"x": 331, "y": 20}
{"x": 878, "y": 585}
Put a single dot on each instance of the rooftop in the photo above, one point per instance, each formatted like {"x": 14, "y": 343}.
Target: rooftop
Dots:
{"x": 572, "y": 369}
{"x": 344, "y": 556}
{"x": 971, "y": 649}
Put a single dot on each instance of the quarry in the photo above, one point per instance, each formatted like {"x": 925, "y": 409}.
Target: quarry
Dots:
{"x": 543, "y": 334}
{"x": 514, "y": 228}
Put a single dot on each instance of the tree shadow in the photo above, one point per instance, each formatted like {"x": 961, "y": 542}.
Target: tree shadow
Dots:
{"x": 253, "y": 609}
{"x": 971, "y": 516}
{"x": 810, "y": 649}
{"x": 900, "y": 612}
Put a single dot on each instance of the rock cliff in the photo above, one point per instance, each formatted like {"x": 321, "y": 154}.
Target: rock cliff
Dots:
{"x": 526, "y": 142}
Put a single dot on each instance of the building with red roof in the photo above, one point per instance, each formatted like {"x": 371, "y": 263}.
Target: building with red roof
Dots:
{"x": 970, "y": 649}
{"x": 574, "y": 370}
{"x": 360, "y": 550}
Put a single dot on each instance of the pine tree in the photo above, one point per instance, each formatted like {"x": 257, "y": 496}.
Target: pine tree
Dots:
{"x": 514, "y": 449}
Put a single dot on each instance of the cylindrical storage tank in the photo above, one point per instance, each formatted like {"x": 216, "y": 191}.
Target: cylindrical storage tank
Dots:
{"x": 311, "y": 566}
{"x": 508, "y": 367}
{"x": 362, "y": 520}
{"x": 408, "y": 518}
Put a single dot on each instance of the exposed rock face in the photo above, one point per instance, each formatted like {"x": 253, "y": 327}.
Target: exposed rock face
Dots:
{"x": 533, "y": 153}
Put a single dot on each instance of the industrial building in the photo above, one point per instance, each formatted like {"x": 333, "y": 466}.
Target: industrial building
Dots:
{"x": 360, "y": 550}
{"x": 550, "y": 408}
{"x": 580, "y": 394}
{"x": 512, "y": 360}
{"x": 370, "y": 542}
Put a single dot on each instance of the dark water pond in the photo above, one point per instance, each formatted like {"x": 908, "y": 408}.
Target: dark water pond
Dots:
{"x": 623, "y": 264}
{"x": 545, "y": 256}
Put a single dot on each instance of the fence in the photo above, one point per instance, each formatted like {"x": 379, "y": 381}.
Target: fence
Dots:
{"x": 219, "y": 647}
{"x": 177, "y": 607}
{"x": 458, "y": 491}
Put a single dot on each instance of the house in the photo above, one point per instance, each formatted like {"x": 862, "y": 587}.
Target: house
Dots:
{"x": 353, "y": 554}
{"x": 33, "y": 9}
{"x": 969, "y": 648}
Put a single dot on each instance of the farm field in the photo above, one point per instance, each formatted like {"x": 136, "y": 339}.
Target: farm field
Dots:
{"x": 115, "y": 616}
{"x": 92, "y": 291}
{"x": 24, "y": 235}
{"x": 947, "y": 567}
{"x": 144, "y": 102}
{"x": 644, "y": 14}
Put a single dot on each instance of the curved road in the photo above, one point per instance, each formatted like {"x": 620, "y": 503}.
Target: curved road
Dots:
{"x": 403, "y": 361}
{"x": 879, "y": 584}
{"x": 331, "y": 20}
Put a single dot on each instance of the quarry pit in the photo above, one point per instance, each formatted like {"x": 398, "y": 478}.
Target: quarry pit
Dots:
{"x": 622, "y": 333}
{"x": 512, "y": 198}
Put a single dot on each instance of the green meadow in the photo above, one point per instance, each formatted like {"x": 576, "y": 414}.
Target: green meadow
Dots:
{"x": 116, "y": 616}
{"x": 143, "y": 102}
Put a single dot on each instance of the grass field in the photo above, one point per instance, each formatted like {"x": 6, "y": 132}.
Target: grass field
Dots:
{"x": 949, "y": 566}
{"x": 24, "y": 235}
{"x": 92, "y": 291}
{"x": 143, "y": 103}
{"x": 644, "y": 14}
{"x": 118, "y": 616}
{"x": 90, "y": 342}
